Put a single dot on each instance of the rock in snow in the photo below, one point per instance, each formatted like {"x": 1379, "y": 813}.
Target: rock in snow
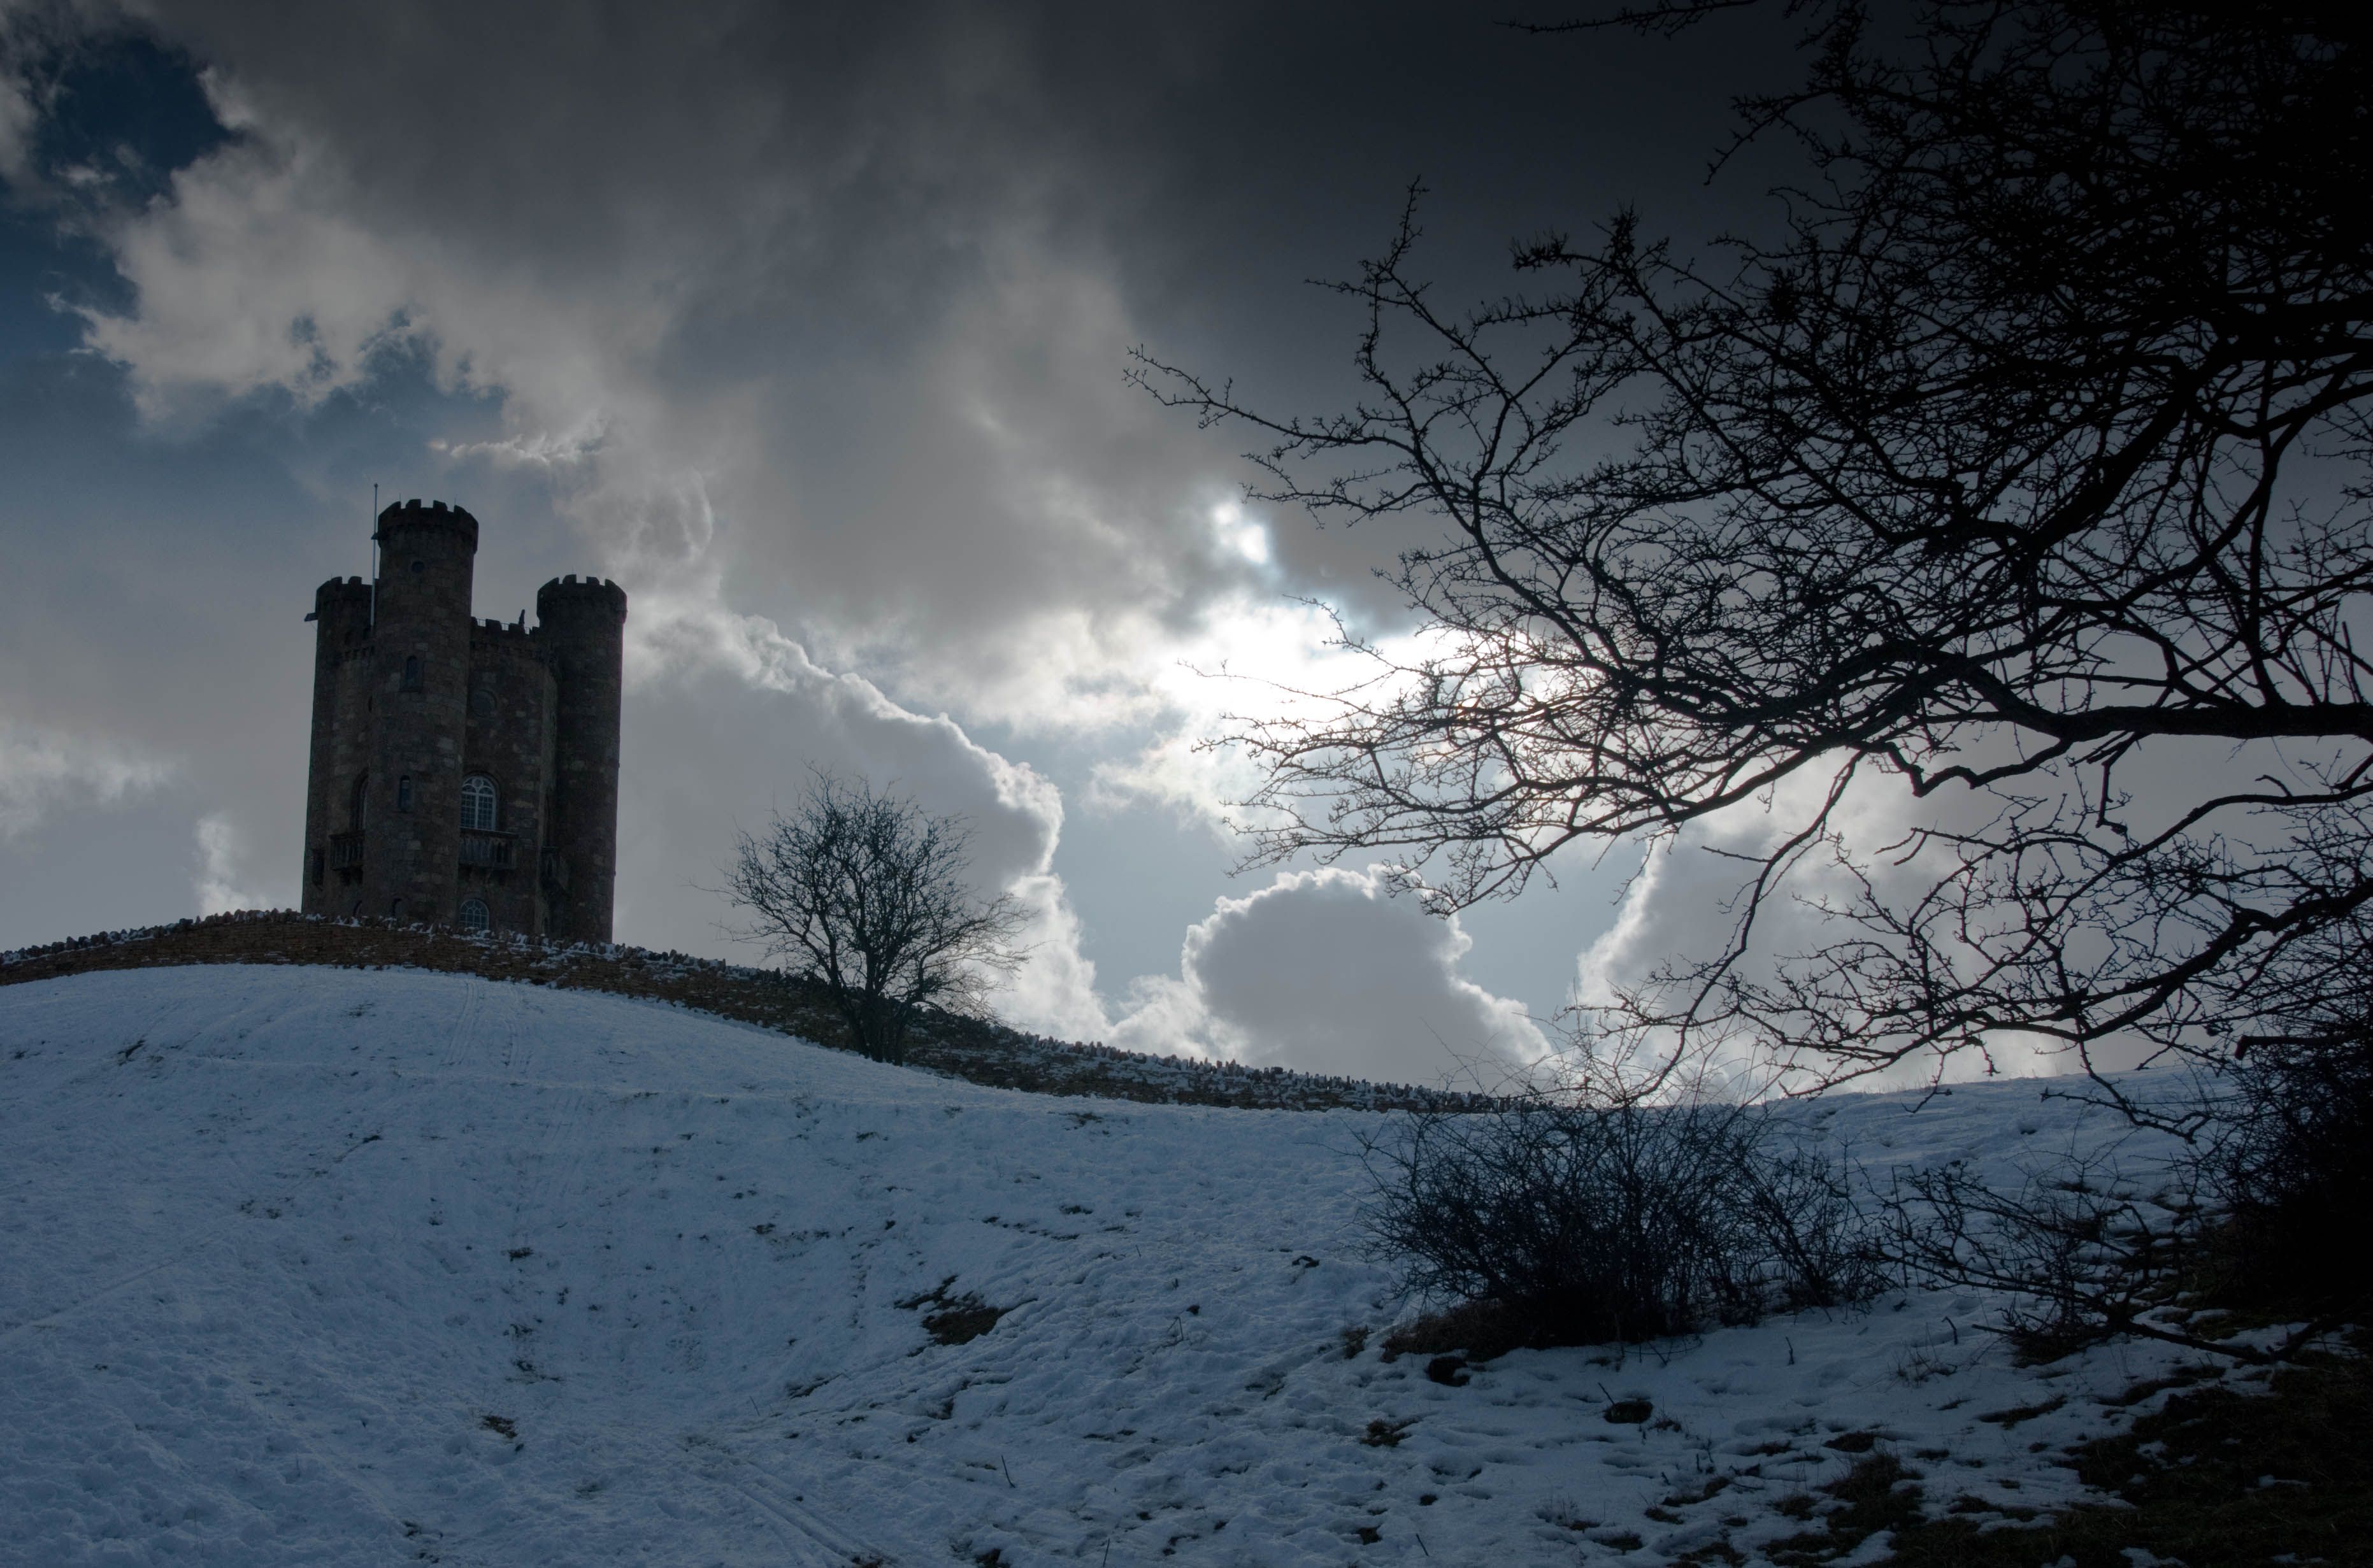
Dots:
{"x": 322, "y": 1266}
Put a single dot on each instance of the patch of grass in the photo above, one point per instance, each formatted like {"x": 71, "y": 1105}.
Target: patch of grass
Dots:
{"x": 1480, "y": 1330}
{"x": 1565, "y": 1517}
{"x": 1383, "y": 1433}
{"x": 1877, "y": 1495}
{"x": 2016, "y": 1413}
{"x": 955, "y": 1319}
{"x": 1711, "y": 1488}
{"x": 2219, "y": 1477}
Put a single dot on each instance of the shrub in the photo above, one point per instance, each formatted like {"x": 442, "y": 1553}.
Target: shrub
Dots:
{"x": 2077, "y": 1254}
{"x": 1563, "y": 1219}
{"x": 2293, "y": 1173}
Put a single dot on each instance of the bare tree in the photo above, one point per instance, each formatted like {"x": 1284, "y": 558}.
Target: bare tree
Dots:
{"x": 865, "y": 894}
{"x": 2035, "y": 437}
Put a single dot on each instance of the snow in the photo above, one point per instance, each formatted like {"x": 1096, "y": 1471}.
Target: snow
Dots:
{"x": 325, "y": 1266}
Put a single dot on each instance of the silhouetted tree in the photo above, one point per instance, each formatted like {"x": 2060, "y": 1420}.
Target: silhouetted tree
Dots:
{"x": 865, "y": 894}
{"x": 2032, "y": 433}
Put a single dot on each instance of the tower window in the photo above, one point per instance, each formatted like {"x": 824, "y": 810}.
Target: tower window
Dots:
{"x": 412, "y": 672}
{"x": 358, "y": 802}
{"x": 472, "y": 915}
{"x": 404, "y": 793}
{"x": 478, "y": 803}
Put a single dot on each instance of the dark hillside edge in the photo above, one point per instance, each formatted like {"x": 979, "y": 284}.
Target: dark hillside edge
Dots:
{"x": 973, "y": 1049}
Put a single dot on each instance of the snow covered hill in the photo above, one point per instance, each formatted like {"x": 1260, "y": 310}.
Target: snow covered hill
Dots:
{"x": 324, "y": 1266}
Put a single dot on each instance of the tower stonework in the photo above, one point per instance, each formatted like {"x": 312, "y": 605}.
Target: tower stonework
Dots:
{"x": 463, "y": 772}
{"x": 585, "y": 625}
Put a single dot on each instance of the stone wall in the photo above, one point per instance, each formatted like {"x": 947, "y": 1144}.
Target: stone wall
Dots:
{"x": 512, "y": 706}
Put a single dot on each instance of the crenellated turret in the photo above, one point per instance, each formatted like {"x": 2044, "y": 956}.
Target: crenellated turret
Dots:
{"x": 582, "y": 626}
{"x": 419, "y": 689}
{"x": 341, "y": 613}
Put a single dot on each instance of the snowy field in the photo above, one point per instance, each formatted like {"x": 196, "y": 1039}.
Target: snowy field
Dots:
{"x": 319, "y": 1266}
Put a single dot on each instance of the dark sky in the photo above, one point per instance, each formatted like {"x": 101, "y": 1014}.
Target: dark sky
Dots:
{"x": 808, "y": 325}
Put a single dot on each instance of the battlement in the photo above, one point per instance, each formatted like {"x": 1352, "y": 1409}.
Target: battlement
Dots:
{"x": 407, "y": 516}
{"x": 343, "y": 604}
{"x": 510, "y": 637}
{"x": 589, "y": 590}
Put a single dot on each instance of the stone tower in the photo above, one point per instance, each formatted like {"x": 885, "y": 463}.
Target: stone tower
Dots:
{"x": 465, "y": 773}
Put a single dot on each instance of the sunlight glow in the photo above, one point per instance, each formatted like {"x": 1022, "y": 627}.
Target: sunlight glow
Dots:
{"x": 1240, "y": 533}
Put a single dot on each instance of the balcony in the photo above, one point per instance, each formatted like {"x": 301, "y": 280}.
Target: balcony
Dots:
{"x": 489, "y": 852}
{"x": 346, "y": 851}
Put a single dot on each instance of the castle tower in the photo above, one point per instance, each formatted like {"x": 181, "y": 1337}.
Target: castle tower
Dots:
{"x": 583, "y": 628}
{"x": 442, "y": 747}
{"x": 341, "y": 670}
{"x": 420, "y": 688}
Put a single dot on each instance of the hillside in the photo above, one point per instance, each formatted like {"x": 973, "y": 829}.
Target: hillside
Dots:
{"x": 976, "y": 1049}
{"x": 346, "y": 1266}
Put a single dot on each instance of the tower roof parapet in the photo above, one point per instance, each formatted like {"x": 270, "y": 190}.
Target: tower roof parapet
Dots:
{"x": 406, "y": 516}
{"x": 589, "y": 590}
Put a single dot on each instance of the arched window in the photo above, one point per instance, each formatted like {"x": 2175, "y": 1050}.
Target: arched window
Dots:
{"x": 412, "y": 672}
{"x": 404, "y": 793}
{"x": 472, "y": 915}
{"x": 358, "y": 802}
{"x": 478, "y": 803}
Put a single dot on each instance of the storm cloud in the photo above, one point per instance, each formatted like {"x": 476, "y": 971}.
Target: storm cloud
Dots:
{"x": 809, "y": 327}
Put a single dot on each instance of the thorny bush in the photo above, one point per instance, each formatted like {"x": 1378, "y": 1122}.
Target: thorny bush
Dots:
{"x": 1578, "y": 1220}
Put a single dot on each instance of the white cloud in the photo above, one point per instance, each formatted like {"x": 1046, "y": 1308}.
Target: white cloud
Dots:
{"x": 959, "y": 501}
{"x": 250, "y": 278}
{"x": 1324, "y": 972}
{"x": 220, "y": 849}
{"x": 731, "y": 716}
{"x": 1254, "y": 659}
{"x": 44, "y": 771}
{"x": 17, "y": 118}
